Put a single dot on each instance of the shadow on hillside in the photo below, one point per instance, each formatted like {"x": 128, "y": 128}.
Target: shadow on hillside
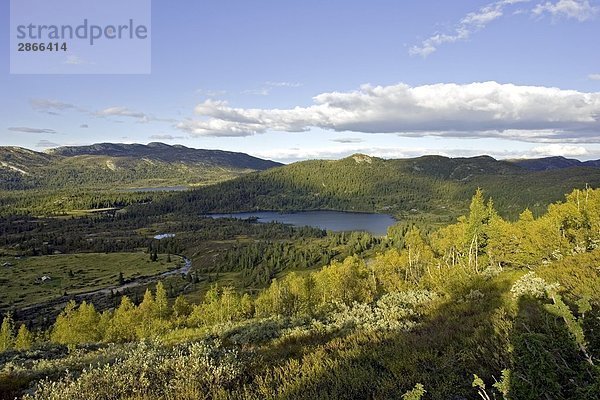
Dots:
{"x": 546, "y": 360}
{"x": 443, "y": 353}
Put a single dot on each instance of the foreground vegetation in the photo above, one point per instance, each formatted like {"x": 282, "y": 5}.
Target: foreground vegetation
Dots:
{"x": 483, "y": 307}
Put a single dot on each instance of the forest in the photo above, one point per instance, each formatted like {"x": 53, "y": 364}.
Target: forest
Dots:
{"x": 484, "y": 307}
{"x": 429, "y": 189}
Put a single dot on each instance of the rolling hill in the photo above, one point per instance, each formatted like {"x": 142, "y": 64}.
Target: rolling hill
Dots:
{"x": 429, "y": 186}
{"x": 548, "y": 163}
{"x": 126, "y": 165}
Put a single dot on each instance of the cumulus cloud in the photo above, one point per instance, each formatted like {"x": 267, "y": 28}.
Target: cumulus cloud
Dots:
{"x": 594, "y": 77}
{"x": 469, "y": 24}
{"x": 84, "y": 126}
{"x": 486, "y": 109}
{"x": 25, "y": 129}
{"x": 580, "y": 10}
{"x": 46, "y": 144}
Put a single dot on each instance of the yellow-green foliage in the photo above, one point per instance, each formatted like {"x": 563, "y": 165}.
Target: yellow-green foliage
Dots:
{"x": 122, "y": 326}
{"x": 346, "y": 282}
{"x": 76, "y": 325}
{"x": 340, "y": 282}
{"x": 24, "y": 339}
{"x": 221, "y": 305}
{"x": 482, "y": 296}
{"x": 6, "y": 333}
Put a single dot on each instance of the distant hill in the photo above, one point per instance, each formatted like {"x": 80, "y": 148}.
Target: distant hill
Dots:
{"x": 548, "y": 163}
{"x": 126, "y": 165}
{"x": 168, "y": 154}
{"x": 434, "y": 187}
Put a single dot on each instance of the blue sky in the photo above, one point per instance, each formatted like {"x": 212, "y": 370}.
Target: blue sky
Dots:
{"x": 324, "y": 79}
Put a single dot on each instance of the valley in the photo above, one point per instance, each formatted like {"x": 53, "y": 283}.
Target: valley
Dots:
{"x": 361, "y": 264}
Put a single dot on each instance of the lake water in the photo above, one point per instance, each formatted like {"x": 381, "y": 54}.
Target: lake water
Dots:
{"x": 164, "y": 236}
{"x": 338, "y": 221}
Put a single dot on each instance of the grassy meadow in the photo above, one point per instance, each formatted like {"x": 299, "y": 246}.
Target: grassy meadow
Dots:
{"x": 21, "y": 278}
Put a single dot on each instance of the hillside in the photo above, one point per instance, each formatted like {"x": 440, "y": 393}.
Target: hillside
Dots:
{"x": 547, "y": 163}
{"x": 429, "y": 317}
{"x": 129, "y": 165}
{"x": 430, "y": 186}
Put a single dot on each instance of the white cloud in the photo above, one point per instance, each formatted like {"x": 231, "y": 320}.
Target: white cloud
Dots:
{"x": 283, "y": 84}
{"x": 121, "y": 112}
{"x": 75, "y": 60}
{"x": 258, "y": 92}
{"x": 266, "y": 88}
{"x": 468, "y": 25}
{"x": 487, "y": 109}
{"x": 557, "y": 149}
{"x": 473, "y": 22}
{"x": 50, "y": 105}
{"x": 337, "y": 152}
{"x": 580, "y": 10}
{"x": 594, "y": 77}
{"x": 25, "y": 129}
{"x": 165, "y": 137}
{"x": 348, "y": 140}
{"x": 128, "y": 113}
{"x": 288, "y": 155}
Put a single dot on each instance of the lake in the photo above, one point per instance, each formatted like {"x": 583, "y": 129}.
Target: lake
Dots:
{"x": 338, "y": 221}
{"x": 164, "y": 236}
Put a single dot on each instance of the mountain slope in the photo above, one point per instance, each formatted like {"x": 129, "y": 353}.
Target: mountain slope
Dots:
{"x": 427, "y": 186}
{"x": 169, "y": 154}
{"x": 125, "y": 165}
{"x": 548, "y": 163}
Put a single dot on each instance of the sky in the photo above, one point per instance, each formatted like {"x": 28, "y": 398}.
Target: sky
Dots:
{"x": 290, "y": 81}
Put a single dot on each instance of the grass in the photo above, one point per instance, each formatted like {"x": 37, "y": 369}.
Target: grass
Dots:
{"x": 72, "y": 273}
